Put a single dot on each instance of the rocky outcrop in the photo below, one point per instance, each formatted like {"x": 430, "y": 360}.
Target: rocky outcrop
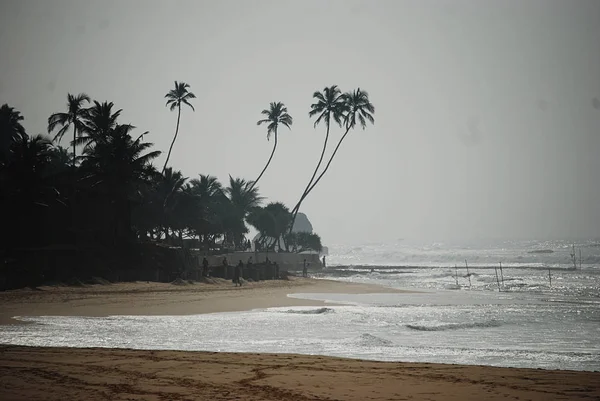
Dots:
{"x": 302, "y": 224}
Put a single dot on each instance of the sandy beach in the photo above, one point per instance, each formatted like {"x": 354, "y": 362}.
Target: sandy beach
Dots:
{"x": 29, "y": 373}
{"x": 142, "y": 298}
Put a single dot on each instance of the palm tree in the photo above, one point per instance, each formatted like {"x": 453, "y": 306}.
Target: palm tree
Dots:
{"x": 11, "y": 130}
{"x": 74, "y": 116}
{"x": 99, "y": 121}
{"x": 275, "y": 115}
{"x": 329, "y": 103}
{"x": 119, "y": 166}
{"x": 168, "y": 190}
{"x": 356, "y": 107}
{"x": 243, "y": 197}
{"x": 174, "y": 99}
{"x": 271, "y": 222}
{"x": 27, "y": 192}
{"x": 210, "y": 203}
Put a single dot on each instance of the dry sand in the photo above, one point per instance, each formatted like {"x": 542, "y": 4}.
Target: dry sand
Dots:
{"x": 114, "y": 374}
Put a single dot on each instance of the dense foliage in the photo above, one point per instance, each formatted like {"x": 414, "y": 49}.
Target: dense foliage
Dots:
{"x": 111, "y": 194}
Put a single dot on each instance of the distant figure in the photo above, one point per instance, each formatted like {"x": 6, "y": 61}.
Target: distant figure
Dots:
{"x": 304, "y": 270}
{"x": 225, "y": 267}
{"x": 249, "y": 263}
{"x": 268, "y": 261}
{"x": 204, "y": 267}
{"x": 276, "y": 271}
{"x": 237, "y": 274}
{"x": 324, "y": 266}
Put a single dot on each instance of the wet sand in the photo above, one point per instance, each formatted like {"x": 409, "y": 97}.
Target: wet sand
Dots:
{"x": 142, "y": 298}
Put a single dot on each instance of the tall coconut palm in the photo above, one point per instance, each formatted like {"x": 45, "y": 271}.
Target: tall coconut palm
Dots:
{"x": 75, "y": 116}
{"x": 275, "y": 115}
{"x": 328, "y": 104}
{"x": 357, "y": 107}
{"x": 175, "y": 97}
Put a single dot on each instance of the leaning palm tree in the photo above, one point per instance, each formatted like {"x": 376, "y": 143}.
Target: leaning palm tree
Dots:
{"x": 275, "y": 115}
{"x": 174, "y": 99}
{"x": 329, "y": 104}
{"x": 357, "y": 107}
{"x": 75, "y": 116}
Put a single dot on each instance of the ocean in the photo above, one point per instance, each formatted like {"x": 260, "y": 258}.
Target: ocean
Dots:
{"x": 514, "y": 318}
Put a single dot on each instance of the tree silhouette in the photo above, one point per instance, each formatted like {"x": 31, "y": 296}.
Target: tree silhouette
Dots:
{"x": 243, "y": 197}
{"x": 75, "y": 116}
{"x": 329, "y": 104}
{"x": 357, "y": 108}
{"x": 11, "y": 131}
{"x": 175, "y": 97}
{"x": 275, "y": 115}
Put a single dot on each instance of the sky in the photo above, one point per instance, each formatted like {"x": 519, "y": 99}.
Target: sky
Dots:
{"x": 487, "y": 121}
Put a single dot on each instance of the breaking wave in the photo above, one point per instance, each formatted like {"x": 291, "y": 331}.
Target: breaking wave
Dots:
{"x": 369, "y": 340}
{"x": 454, "y": 326}
{"x": 311, "y": 311}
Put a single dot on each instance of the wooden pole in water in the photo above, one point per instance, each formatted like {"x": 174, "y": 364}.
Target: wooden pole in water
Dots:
{"x": 580, "y": 260}
{"x": 550, "y": 277}
{"x": 468, "y": 274}
{"x": 497, "y": 279}
{"x": 574, "y": 257}
{"x": 456, "y": 276}
{"x": 501, "y": 274}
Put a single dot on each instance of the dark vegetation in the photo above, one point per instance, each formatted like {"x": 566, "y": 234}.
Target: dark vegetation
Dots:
{"x": 102, "y": 207}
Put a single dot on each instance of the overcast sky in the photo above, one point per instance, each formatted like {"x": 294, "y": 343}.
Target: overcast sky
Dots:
{"x": 485, "y": 127}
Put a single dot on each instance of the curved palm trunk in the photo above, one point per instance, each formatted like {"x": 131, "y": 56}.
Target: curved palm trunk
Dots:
{"x": 268, "y": 162}
{"x": 297, "y": 207}
{"x": 174, "y": 138}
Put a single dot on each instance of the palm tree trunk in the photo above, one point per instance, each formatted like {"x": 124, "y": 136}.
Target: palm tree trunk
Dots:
{"x": 268, "y": 162}
{"x": 74, "y": 139}
{"x": 297, "y": 207}
{"x": 174, "y": 138}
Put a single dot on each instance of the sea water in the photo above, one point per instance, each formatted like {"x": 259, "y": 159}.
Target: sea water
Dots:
{"x": 520, "y": 321}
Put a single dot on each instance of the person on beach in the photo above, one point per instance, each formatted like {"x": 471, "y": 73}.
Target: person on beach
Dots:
{"x": 249, "y": 263}
{"x": 204, "y": 267}
{"x": 225, "y": 267}
{"x": 324, "y": 266}
{"x": 237, "y": 275}
{"x": 304, "y": 270}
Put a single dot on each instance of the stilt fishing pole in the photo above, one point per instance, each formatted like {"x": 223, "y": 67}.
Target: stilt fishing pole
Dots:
{"x": 497, "y": 279}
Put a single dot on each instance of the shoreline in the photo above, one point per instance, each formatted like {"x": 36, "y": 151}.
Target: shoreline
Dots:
{"x": 160, "y": 299}
{"x": 50, "y": 373}
{"x": 28, "y": 373}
